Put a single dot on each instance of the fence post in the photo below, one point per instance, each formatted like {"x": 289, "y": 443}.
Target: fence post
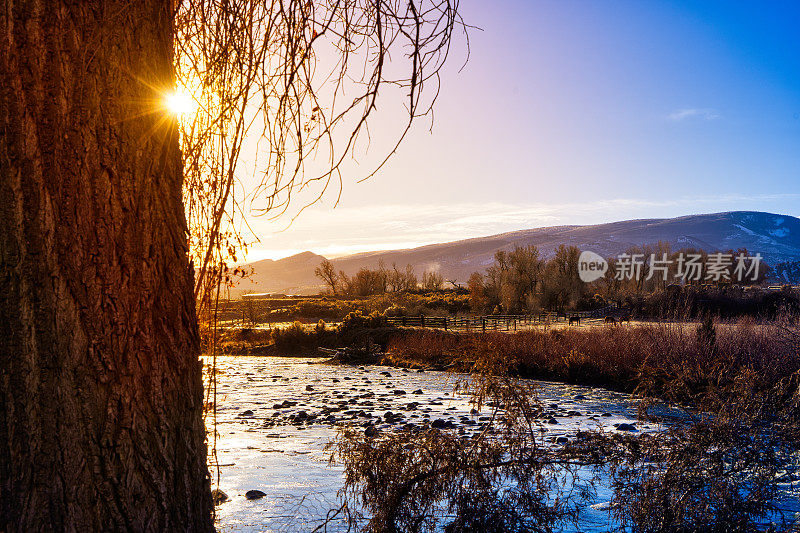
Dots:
{"x": 404, "y": 321}
{"x": 422, "y": 321}
{"x": 483, "y": 324}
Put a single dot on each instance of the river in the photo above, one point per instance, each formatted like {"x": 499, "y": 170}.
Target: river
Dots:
{"x": 275, "y": 415}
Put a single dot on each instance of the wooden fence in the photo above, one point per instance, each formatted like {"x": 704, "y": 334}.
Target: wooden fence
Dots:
{"x": 498, "y": 322}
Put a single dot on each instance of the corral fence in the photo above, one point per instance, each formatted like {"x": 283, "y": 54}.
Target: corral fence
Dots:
{"x": 503, "y": 322}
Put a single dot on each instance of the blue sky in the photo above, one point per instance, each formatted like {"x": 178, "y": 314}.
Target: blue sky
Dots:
{"x": 579, "y": 112}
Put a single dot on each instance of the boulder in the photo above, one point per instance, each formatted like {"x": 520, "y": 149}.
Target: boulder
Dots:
{"x": 218, "y": 497}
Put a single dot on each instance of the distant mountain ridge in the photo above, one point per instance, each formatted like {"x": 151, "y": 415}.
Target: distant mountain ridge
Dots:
{"x": 775, "y": 237}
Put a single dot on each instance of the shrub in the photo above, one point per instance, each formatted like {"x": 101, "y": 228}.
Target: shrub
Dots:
{"x": 425, "y": 348}
{"x": 294, "y": 337}
{"x": 356, "y": 320}
{"x": 395, "y": 310}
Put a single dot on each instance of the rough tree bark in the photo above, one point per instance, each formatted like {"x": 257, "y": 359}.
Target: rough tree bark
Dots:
{"x": 100, "y": 383}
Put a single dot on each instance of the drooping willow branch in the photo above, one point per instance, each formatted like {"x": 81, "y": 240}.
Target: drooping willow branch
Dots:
{"x": 290, "y": 86}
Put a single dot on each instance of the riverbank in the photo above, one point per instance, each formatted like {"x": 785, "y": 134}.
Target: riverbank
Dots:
{"x": 668, "y": 361}
{"x": 689, "y": 363}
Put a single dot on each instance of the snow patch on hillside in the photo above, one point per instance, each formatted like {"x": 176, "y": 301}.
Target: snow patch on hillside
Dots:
{"x": 746, "y": 230}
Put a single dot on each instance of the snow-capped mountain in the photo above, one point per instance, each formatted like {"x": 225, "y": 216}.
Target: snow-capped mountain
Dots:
{"x": 775, "y": 237}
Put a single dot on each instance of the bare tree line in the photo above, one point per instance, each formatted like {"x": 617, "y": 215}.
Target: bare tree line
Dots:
{"x": 522, "y": 280}
{"x": 381, "y": 280}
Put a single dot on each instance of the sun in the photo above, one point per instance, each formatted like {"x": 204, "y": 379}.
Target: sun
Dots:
{"x": 179, "y": 102}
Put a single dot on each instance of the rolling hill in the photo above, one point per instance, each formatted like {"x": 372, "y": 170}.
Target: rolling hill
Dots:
{"x": 776, "y": 237}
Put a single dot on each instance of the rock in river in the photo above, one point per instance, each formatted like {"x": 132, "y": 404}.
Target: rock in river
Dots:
{"x": 218, "y": 496}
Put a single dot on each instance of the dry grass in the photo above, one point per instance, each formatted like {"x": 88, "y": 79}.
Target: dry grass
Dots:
{"x": 669, "y": 361}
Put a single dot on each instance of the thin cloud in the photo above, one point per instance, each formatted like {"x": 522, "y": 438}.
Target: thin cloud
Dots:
{"x": 684, "y": 114}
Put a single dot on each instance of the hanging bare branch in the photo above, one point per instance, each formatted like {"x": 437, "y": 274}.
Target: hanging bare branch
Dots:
{"x": 291, "y": 85}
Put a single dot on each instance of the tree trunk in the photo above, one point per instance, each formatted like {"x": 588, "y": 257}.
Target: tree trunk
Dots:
{"x": 100, "y": 384}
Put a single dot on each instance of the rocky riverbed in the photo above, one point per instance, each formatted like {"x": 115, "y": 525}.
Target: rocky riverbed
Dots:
{"x": 275, "y": 416}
